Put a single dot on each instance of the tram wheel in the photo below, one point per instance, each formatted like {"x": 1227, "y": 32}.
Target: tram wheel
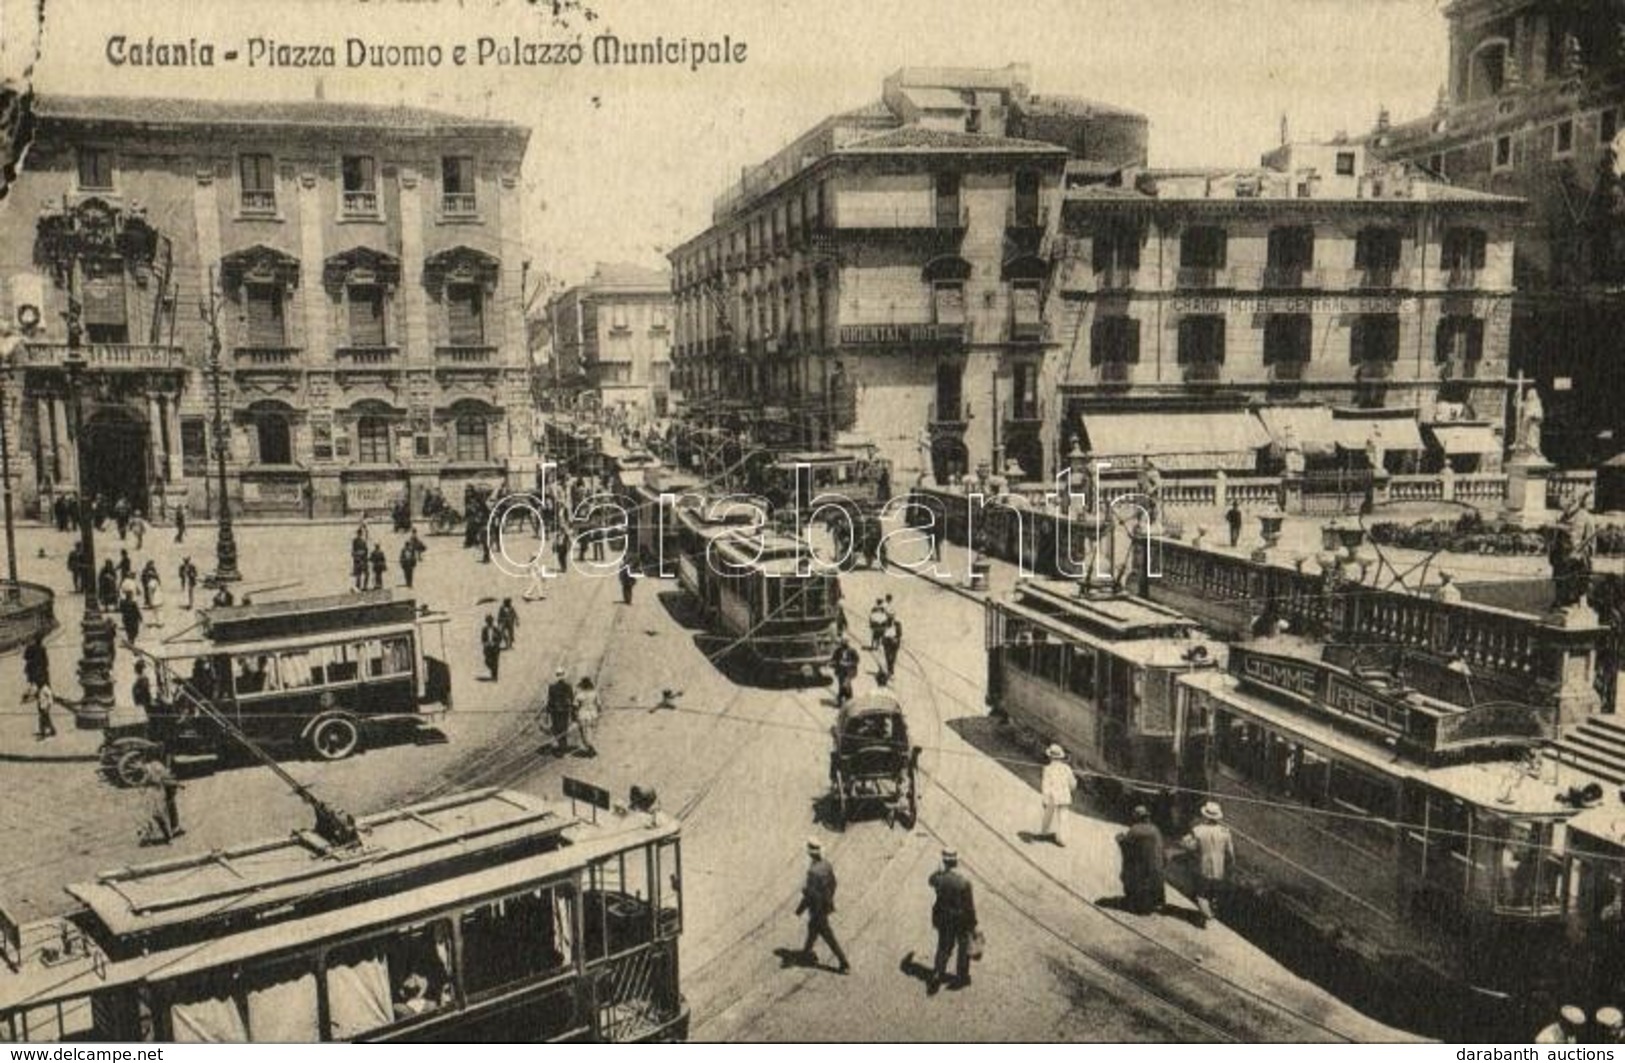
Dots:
{"x": 334, "y": 737}
{"x": 130, "y": 767}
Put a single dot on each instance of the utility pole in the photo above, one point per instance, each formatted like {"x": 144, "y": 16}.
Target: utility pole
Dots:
{"x": 225, "y": 544}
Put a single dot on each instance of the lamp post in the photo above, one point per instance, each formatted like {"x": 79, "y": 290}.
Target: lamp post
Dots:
{"x": 225, "y": 544}
{"x": 13, "y": 591}
{"x": 96, "y": 630}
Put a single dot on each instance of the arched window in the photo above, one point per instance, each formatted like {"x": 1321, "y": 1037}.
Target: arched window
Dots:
{"x": 372, "y": 441}
{"x": 275, "y": 439}
{"x": 473, "y": 444}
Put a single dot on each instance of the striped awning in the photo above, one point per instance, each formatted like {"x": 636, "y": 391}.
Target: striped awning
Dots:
{"x": 1196, "y": 439}
{"x": 1310, "y": 427}
{"x": 1390, "y": 433}
{"x": 1465, "y": 438}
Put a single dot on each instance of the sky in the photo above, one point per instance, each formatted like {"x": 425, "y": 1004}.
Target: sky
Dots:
{"x": 624, "y": 162}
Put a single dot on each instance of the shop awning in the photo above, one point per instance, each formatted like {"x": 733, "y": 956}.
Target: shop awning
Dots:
{"x": 1465, "y": 438}
{"x": 1310, "y": 426}
{"x": 1196, "y": 439}
{"x": 1391, "y": 433}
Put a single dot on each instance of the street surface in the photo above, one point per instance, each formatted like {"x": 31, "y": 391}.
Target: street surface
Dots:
{"x": 744, "y": 767}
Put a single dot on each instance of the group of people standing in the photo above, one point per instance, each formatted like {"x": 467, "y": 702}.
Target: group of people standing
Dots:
{"x": 368, "y": 562}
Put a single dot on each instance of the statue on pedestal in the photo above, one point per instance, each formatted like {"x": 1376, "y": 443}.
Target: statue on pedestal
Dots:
{"x": 1530, "y": 415}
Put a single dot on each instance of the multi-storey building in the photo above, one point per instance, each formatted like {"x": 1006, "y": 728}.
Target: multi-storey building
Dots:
{"x": 366, "y": 263}
{"x": 1532, "y": 107}
{"x": 886, "y": 274}
{"x": 1350, "y": 305}
{"x": 615, "y": 331}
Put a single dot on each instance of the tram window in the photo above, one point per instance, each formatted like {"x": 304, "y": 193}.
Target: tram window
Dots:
{"x": 391, "y": 979}
{"x": 317, "y": 666}
{"x": 517, "y": 938}
{"x": 1081, "y": 671}
{"x": 1050, "y": 659}
{"x": 257, "y": 675}
{"x": 1528, "y": 872}
{"x": 671, "y": 885}
{"x": 391, "y": 656}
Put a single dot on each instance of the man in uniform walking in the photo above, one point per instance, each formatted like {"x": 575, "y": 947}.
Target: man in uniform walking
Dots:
{"x": 953, "y": 915}
{"x": 818, "y": 901}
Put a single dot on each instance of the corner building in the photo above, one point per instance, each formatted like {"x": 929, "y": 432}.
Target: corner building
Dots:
{"x": 616, "y": 327}
{"x": 368, "y": 262}
{"x": 886, "y": 276}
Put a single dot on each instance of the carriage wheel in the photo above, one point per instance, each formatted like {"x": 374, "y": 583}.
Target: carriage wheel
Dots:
{"x": 130, "y": 767}
{"x": 334, "y": 737}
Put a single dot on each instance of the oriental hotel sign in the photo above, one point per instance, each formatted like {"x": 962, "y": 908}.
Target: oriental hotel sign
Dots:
{"x": 895, "y": 335}
{"x": 1478, "y": 306}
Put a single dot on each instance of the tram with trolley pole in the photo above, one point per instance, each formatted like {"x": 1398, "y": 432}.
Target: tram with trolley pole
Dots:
{"x": 765, "y": 589}
{"x": 484, "y": 916}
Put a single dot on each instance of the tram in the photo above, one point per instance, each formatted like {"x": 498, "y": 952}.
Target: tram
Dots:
{"x": 654, "y": 517}
{"x": 1095, "y": 672}
{"x": 765, "y": 589}
{"x": 485, "y": 916}
{"x": 320, "y": 674}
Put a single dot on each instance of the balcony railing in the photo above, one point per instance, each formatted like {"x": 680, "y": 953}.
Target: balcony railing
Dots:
{"x": 102, "y": 356}
{"x": 1028, "y": 331}
{"x": 1203, "y": 277}
{"x": 458, "y": 203}
{"x": 466, "y": 353}
{"x": 1458, "y": 368}
{"x": 1033, "y": 217}
{"x": 1379, "y": 278}
{"x": 1290, "y": 277}
{"x": 366, "y": 354}
{"x": 1287, "y": 370}
{"x": 257, "y": 356}
{"x": 361, "y": 204}
{"x": 1116, "y": 278}
{"x": 1203, "y": 372}
{"x": 1024, "y": 412}
{"x": 1461, "y": 277}
{"x": 258, "y": 202}
{"x": 904, "y": 218}
{"x": 938, "y": 416}
{"x": 1116, "y": 371}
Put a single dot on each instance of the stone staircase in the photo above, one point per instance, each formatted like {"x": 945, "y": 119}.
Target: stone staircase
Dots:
{"x": 1595, "y": 745}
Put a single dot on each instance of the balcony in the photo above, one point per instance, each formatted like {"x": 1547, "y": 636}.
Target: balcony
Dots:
{"x": 1379, "y": 278}
{"x": 102, "y": 356}
{"x": 1024, "y": 413}
{"x": 266, "y": 356}
{"x": 459, "y": 204}
{"x": 1290, "y": 278}
{"x": 466, "y": 354}
{"x": 1117, "y": 278}
{"x": 1116, "y": 371}
{"x": 1203, "y": 277}
{"x": 1287, "y": 370}
{"x": 1458, "y": 368}
{"x": 361, "y": 204}
{"x": 894, "y": 219}
{"x": 258, "y": 202}
{"x": 1373, "y": 369}
{"x": 367, "y": 355}
{"x": 1028, "y": 331}
{"x": 1460, "y": 277}
{"x": 1203, "y": 372}
{"x": 946, "y": 418}
{"x": 1033, "y": 217}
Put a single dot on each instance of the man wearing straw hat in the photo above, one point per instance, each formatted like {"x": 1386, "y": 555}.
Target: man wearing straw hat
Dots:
{"x": 818, "y": 901}
{"x": 1215, "y": 853}
{"x": 1566, "y": 1030}
{"x": 1055, "y": 787}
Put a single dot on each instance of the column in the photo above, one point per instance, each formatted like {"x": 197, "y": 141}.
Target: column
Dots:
{"x": 415, "y": 330}
{"x": 318, "y": 349}
{"x": 67, "y": 457}
{"x": 176, "y": 460}
{"x": 49, "y": 441}
{"x": 155, "y": 438}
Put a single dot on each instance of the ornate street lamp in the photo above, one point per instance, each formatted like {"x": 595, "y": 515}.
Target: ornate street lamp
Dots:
{"x": 96, "y": 630}
{"x": 225, "y": 543}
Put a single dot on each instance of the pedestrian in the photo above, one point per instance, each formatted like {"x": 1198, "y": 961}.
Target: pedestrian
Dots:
{"x": 379, "y": 565}
{"x": 491, "y": 643}
{"x": 125, "y": 565}
{"x": 953, "y": 915}
{"x": 891, "y": 641}
{"x": 76, "y": 569}
{"x": 163, "y": 812}
{"x": 507, "y": 622}
{"x": 560, "y": 708}
{"x": 1056, "y": 786}
{"x": 537, "y": 591}
{"x": 107, "y": 585}
{"x": 180, "y": 521}
{"x": 1215, "y": 851}
{"x": 130, "y": 612}
{"x": 1232, "y": 517}
{"x": 629, "y": 580}
{"x": 223, "y": 596}
{"x": 877, "y": 622}
{"x": 138, "y": 528}
{"x": 121, "y": 516}
{"x": 36, "y": 666}
{"x": 844, "y": 664}
{"x": 1447, "y": 591}
{"x": 129, "y": 586}
{"x": 44, "y": 699}
{"x": 587, "y": 714}
{"x": 561, "y": 549}
{"x": 59, "y": 510}
{"x": 1143, "y": 863}
{"x": 818, "y": 901}
{"x": 141, "y": 689}
{"x": 188, "y": 580}
{"x": 1610, "y": 1026}
{"x": 1566, "y": 1030}
{"x": 409, "y": 561}
{"x": 358, "y": 560}
{"x": 149, "y": 583}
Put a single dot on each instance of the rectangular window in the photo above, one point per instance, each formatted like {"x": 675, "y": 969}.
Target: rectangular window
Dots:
{"x": 1503, "y": 151}
{"x": 366, "y": 305}
{"x": 1463, "y": 249}
{"x": 372, "y": 441}
{"x": 95, "y": 169}
{"x": 473, "y": 442}
{"x": 1288, "y": 338}
{"x": 1374, "y": 338}
{"x": 1117, "y": 247}
{"x": 465, "y": 315}
{"x": 266, "y": 325}
{"x": 1203, "y": 247}
{"x": 194, "y": 446}
{"x": 1025, "y": 213}
{"x": 102, "y": 298}
{"x": 1292, "y": 248}
{"x": 518, "y": 939}
{"x": 321, "y": 440}
{"x": 457, "y": 184}
{"x": 950, "y": 392}
{"x": 1024, "y": 300}
{"x": 258, "y": 179}
{"x": 1114, "y": 339}
{"x": 1024, "y": 392}
{"x": 1345, "y": 164}
{"x": 1377, "y": 250}
{"x": 1460, "y": 339}
{"x": 360, "y": 176}
{"x": 948, "y": 300}
{"x": 1563, "y": 138}
{"x": 388, "y": 980}
{"x": 947, "y": 188}
{"x": 1201, "y": 339}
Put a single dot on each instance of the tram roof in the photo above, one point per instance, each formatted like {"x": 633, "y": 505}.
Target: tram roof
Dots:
{"x": 307, "y": 616}
{"x": 1134, "y": 628}
{"x": 37, "y": 984}
{"x": 263, "y": 875}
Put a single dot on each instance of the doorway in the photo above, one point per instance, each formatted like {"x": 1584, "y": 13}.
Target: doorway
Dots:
{"x": 115, "y": 460}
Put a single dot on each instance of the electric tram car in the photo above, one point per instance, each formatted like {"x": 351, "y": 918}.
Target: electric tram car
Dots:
{"x": 764, "y": 589}
{"x": 1095, "y": 673}
{"x": 484, "y": 916}
{"x": 654, "y": 517}
{"x": 318, "y": 674}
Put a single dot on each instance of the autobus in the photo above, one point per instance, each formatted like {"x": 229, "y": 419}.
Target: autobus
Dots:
{"x": 483, "y": 916}
{"x": 765, "y": 589}
{"x": 319, "y": 673}
{"x": 1094, "y": 672}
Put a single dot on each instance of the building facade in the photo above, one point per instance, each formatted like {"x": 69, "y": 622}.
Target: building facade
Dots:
{"x": 1351, "y": 306}
{"x": 365, "y": 266}
{"x": 614, "y": 332}
{"x": 1531, "y": 106}
{"x": 886, "y": 276}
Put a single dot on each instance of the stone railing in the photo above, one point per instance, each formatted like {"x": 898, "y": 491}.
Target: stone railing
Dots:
{"x": 1415, "y": 489}
{"x": 1548, "y": 662}
{"x": 1481, "y": 487}
{"x": 1565, "y": 485}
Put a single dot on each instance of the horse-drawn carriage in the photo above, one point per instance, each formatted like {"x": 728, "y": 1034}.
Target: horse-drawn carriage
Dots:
{"x": 872, "y": 763}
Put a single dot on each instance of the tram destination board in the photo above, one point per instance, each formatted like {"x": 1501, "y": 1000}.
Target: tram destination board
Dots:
{"x": 586, "y": 793}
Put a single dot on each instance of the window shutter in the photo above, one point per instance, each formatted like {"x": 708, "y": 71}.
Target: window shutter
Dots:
{"x": 367, "y": 316}
{"x": 1130, "y": 328}
{"x": 950, "y": 300}
{"x": 1475, "y": 339}
{"x": 265, "y": 321}
{"x": 465, "y": 317}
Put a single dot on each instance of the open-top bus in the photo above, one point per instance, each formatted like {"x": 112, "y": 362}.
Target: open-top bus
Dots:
{"x": 488, "y": 915}
{"x": 317, "y": 673}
